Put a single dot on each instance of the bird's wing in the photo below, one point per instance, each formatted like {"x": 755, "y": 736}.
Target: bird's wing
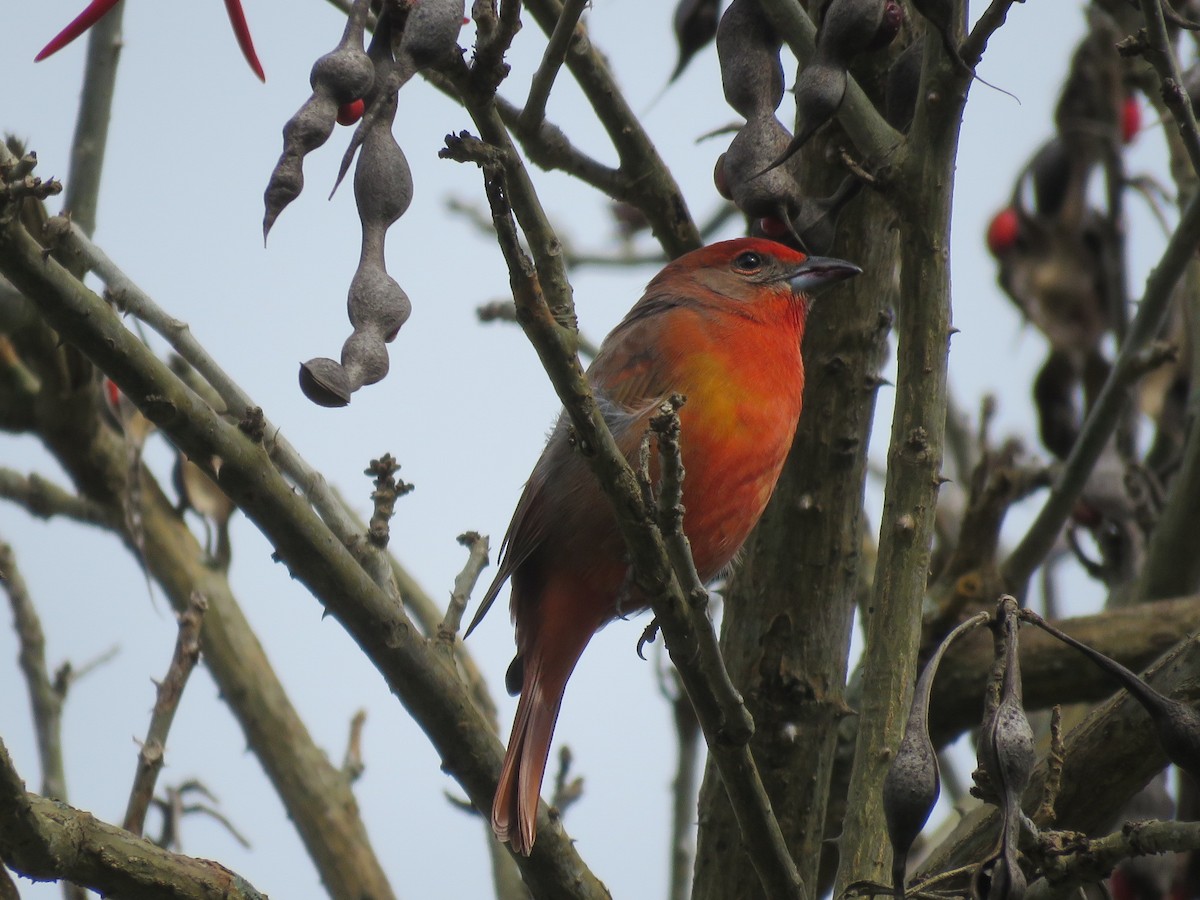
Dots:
{"x": 630, "y": 376}
{"x": 632, "y": 370}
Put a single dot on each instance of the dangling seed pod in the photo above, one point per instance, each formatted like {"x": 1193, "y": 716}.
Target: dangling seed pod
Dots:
{"x": 849, "y": 28}
{"x": 427, "y": 32}
{"x": 695, "y": 26}
{"x": 1006, "y": 755}
{"x": 339, "y": 77}
{"x": 752, "y": 78}
{"x": 912, "y": 784}
{"x": 1178, "y": 724}
{"x": 352, "y": 84}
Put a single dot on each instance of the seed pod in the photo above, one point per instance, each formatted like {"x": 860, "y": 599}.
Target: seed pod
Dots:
{"x": 751, "y": 73}
{"x": 304, "y": 132}
{"x": 820, "y": 88}
{"x": 849, "y": 27}
{"x": 1177, "y": 723}
{"x": 324, "y": 382}
{"x": 757, "y": 189}
{"x": 346, "y": 72}
{"x": 910, "y": 791}
{"x": 1006, "y": 755}
{"x": 365, "y": 358}
{"x": 912, "y": 784}
{"x": 695, "y": 26}
{"x": 376, "y": 302}
{"x": 342, "y": 75}
{"x": 431, "y": 32}
{"x": 889, "y": 26}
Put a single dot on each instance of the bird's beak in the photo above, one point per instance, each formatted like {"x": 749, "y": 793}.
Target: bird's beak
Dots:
{"x": 818, "y": 272}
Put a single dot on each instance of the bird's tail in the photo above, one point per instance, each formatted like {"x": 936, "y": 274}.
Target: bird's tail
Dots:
{"x": 514, "y": 810}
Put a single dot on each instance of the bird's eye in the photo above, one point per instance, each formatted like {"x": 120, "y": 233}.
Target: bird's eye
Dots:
{"x": 748, "y": 261}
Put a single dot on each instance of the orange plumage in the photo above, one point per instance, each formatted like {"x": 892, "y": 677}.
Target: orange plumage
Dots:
{"x": 721, "y": 325}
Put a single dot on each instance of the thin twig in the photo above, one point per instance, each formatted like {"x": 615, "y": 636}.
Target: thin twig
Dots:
{"x": 656, "y": 192}
{"x": 352, "y": 763}
{"x": 477, "y": 557}
{"x": 1161, "y": 55}
{"x": 988, "y": 24}
{"x": 46, "y": 695}
{"x": 1065, "y": 873}
{"x": 43, "y": 498}
{"x": 684, "y": 785}
{"x": 91, "y": 124}
{"x": 552, "y": 60}
{"x": 170, "y": 692}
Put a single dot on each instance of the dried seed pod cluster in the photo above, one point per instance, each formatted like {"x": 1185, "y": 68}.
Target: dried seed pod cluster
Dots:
{"x": 352, "y": 84}
{"x": 1006, "y": 752}
{"x": 752, "y": 77}
{"x": 754, "y": 172}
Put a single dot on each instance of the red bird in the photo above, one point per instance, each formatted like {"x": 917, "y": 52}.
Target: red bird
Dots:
{"x": 721, "y": 325}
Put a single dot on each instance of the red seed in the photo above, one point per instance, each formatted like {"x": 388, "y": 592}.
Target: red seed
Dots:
{"x": 774, "y": 228}
{"x": 1002, "y": 231}
{"x": 1131, "y": 119}
{"x": 112, "y": 394}
{"x": 349, "y": 113}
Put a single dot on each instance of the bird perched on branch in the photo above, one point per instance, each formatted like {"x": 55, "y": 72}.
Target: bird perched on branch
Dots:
{"x": 721, "y": 325}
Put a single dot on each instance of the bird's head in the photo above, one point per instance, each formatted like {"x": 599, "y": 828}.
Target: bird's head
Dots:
{"x": 750, "y": 269}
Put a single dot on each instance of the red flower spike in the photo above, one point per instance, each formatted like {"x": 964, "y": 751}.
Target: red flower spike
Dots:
{"x": 1131, "y": 119}
{"x": 349, "y": 113}
{"x": 237, "y": 18}
{"x": 81, "y": 23}
{"x": 1002, "y": 231}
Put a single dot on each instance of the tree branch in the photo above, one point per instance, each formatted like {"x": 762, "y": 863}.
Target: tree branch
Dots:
{"x": 44, "y": 839}
{"x": 41, "y": 497}
{"x": 91, "y": 124}
{"x": 45, "y": 695}
{"x": 166, "y": 702}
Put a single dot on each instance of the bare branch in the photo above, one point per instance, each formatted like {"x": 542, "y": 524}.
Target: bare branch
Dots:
{"x": 46, "y": 695}
{"x": 91, "y": 124}
{"x": 543, "y": 79}
{"x": 44, "y": 839}
{"x": 43, "y": 498}
{"x": 477, "y": 557}
{"x": 170, "y": 692}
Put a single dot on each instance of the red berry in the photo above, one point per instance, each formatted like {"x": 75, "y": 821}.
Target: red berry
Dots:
{"x": 1131, "y": 119}
{"x": 349, "y": 113}
{"x": 112, "y": 393}
{"x": 774, "y": 228}
{"x": 1002, "y": 231}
